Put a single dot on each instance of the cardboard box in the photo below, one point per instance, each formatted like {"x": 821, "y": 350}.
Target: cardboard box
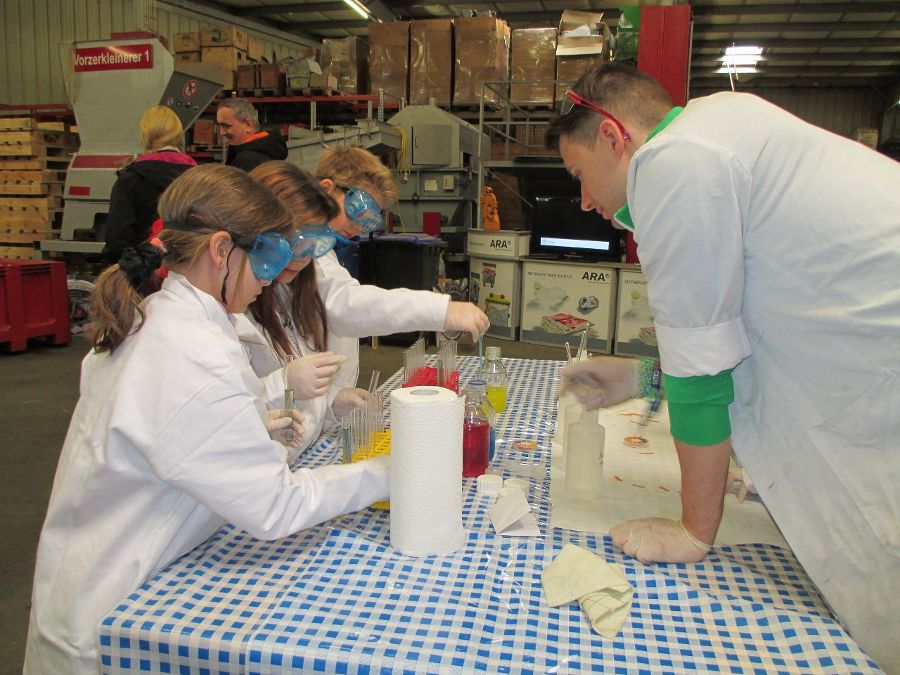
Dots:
{"x": 229, "y": 57}
{"x": 205, "y": 132}
{"x": 322, "y": 81}
{"x": 431, "y": 61}
{"x": 298, "y": 73}
{"x": 187, "y": 42}
{"x": 246, "y": 77}
{"x": 533, "y": 58}
{"x": 187, "y": 57}
{"x": 570, "y": 68}
{"x": 867, "y": 136}
{"x": 389, "y": 58}
{"x": 228, "y": 36}
{"x": 270, "y": 76}
{"x": 348, "y": 60}
{"x": 482, "y": 54}
{"x": 255, "y": 49}
{"x": 582, "y": 33}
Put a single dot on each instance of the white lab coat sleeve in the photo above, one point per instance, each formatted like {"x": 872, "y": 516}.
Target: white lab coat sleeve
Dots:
{"x": 689, "y": 200}
{"x": 217, "y": 450}
{"x": 356, "y": 310}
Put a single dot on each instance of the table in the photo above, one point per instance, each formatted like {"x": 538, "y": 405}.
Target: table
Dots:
{"x": 336, "y": 598}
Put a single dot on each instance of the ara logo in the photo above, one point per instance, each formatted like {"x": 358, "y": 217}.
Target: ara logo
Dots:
{"x": 596, "y": 276}
{"x": 499, "y": 243}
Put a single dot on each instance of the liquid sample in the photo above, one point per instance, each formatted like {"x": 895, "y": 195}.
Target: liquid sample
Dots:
{"x": 496, "y": 394}
{"x": 476, "y": 443}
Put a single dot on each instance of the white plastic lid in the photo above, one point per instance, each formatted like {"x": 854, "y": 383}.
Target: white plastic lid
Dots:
{"x": 492, "y": 352}
{"x": 489, "y": 484}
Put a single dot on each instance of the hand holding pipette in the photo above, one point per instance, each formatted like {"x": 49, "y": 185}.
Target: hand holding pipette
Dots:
{"x": 601, "y": 381}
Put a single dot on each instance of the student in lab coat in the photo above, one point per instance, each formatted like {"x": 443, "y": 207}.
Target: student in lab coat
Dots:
{"x": 169, "y": 438}
{"x": 771, "y": 250}
{"x": 289, "y": 321}
{"x": 362, "y": 186}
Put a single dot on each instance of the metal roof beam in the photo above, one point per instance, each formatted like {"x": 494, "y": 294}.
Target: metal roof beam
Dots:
{"x": 327, "y": 25}
{"x": 703, "y": 10}
{"x": 798, "y": 43}
{"x": 834, "y": 27}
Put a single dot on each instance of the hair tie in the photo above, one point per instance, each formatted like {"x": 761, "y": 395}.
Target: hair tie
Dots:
{"x": 139, "y": 262}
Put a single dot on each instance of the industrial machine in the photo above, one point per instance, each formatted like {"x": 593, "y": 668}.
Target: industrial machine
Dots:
{"x": 440, "y": 179}
{"x": 305, "y": 146}
{"x": 110, "y": 84}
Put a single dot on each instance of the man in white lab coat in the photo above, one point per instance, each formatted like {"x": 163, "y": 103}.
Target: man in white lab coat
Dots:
{"x": 772, "y": 255}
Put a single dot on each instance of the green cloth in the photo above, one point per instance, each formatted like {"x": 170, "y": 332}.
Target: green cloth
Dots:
{"x": 623, "y": 215}
{"x": 698, "y": 407}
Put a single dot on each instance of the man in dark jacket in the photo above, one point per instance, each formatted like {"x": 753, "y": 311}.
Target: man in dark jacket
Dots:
{"x": 248, "y": 147}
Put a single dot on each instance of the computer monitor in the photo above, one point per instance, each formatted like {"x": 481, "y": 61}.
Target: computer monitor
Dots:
{"x": 560, "y": 229}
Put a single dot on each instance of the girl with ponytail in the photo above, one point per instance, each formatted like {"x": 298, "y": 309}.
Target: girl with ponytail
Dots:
{"x": 169, "y": 439}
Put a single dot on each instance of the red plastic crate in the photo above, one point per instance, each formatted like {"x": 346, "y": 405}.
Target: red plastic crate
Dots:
{"x": 34, "y": 302}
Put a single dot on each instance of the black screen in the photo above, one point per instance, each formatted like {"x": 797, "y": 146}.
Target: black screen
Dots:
{"x": 559, "y": 228}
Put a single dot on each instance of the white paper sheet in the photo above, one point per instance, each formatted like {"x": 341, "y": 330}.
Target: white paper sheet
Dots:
{"x": 642, "y": 482}
{"x": 511, "y": 516}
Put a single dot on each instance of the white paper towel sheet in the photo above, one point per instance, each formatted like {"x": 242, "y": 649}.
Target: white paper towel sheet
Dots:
{"x": 426, "y": 471}
{"x": 642, "y": 482}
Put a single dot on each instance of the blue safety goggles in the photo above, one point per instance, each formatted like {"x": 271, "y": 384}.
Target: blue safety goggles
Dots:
{"x": 269, "y": 252}
{"x": 313, "y": 241}
{"x": 362, "y": 209}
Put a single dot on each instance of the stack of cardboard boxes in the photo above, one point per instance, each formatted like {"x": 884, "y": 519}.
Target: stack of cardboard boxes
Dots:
{"x": 347, "y": 61}
{"x": 583, "y": 43}
{"x": 389, "y": 59}
{"x": 229, "y": 47}
{"x": 482, "y": 55}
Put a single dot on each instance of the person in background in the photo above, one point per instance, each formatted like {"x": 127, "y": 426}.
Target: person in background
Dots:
{"x": 132, "y": 202}
{"x": 248, "y": 146}
{"x": 169, "y": 439}
{"x": 771, "y": 250}
{"x": 362, "y": 187}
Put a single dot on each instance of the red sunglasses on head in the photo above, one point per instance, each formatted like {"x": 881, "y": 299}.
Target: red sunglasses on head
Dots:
{"x": 572, "y": 99}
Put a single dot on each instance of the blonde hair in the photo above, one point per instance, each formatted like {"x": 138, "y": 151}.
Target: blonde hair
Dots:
{"x": 355, "y": 167}
{"x": 160, "y": 127}
{"x": 213, "y": 197}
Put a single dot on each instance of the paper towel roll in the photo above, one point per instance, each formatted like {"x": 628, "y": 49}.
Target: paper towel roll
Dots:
{"x": 426, "y": 471}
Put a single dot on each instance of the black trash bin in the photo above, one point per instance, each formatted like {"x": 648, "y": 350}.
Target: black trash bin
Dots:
{"x": 401, "y": 261}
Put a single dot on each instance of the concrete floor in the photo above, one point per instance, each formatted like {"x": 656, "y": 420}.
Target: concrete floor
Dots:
{"x": 38, "y": 392}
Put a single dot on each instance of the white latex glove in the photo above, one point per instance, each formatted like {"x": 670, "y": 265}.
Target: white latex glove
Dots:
{"x": 658, "y": 540}
{"x": 465, "y": 317}
{"x": 310, "y": 376}
{"x": 285, "y": 426}
{"x": 347, "y": 400}
{"x": 601, "y": 381}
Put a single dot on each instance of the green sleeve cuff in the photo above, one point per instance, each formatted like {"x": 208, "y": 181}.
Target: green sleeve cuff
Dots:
{"x": 698, "y": 407}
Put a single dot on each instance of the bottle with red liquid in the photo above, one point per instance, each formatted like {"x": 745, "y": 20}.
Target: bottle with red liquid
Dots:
{"x": 476, "y": 435}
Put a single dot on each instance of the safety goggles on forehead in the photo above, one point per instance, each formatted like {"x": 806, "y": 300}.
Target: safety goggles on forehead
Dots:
{"x": 362, "y": 209}
{"x": 572, "y": 99}
{"x": 313, "y": 241}
{"x": 269, "y": 252}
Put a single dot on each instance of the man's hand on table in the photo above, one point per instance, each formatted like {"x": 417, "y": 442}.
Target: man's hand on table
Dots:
{"x": 658, "y": 540}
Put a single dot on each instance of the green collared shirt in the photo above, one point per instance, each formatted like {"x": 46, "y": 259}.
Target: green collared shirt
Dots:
{"x": 623, "y": 215}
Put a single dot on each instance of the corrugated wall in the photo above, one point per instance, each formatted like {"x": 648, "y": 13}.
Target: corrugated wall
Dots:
{"x": 33, "y": 33}
{"x": 838, "y": 110}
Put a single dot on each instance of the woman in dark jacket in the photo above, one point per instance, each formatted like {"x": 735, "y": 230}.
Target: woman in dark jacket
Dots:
{"x": 132, "y": 204}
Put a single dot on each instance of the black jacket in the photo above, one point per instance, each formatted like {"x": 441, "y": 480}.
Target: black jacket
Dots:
{"x": 250, "y": 154}
{"x": 132, "y": 203}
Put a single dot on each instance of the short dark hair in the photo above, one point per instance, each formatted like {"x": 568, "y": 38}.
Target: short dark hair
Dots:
{"x": 621, "y": 89}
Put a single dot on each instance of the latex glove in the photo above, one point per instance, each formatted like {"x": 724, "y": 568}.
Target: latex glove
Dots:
{"x": 310, "y": 376}
{"x": 465, "y": 317}
{"x": 348, "y": 400}
{"x": 601, "y": 381}
{"x": 285, "y": 426}
{"x": 658, "y": 540}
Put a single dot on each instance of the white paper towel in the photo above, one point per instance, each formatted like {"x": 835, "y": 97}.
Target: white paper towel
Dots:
{"x": 426, "y": 471}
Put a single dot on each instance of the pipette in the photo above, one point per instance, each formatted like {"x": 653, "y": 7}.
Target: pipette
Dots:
{"x": 568, "y": 352}
{"x": 480, "y": 353}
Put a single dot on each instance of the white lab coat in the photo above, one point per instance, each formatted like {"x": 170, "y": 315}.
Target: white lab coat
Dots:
{"x": 773, "y": 247}
{"x": 356, "y": 311}
{"x": 166, "y": 444}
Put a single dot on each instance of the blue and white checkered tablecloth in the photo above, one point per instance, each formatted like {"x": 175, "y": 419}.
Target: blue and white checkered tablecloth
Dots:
{"x": 336, "y": 598}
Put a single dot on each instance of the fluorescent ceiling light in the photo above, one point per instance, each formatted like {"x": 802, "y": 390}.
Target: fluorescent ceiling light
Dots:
{"x": 744, "y": 51}
{"x": 740, "y": 60}
{"x": 358, "y": 8}
{"x": 738, "y": 70}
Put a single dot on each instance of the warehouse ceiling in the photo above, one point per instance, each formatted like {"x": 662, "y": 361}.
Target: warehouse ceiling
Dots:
{"x": 823, "y": 43}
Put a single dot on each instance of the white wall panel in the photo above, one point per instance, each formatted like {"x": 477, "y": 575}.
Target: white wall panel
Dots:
{"x": 838, "y": 110}
{"x": 34, "y": 33}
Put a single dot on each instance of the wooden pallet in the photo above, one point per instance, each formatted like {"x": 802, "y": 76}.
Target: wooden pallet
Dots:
{"x": 26, "y": 123}
{"x": 17, "y": 251}
{"x": 28, "y": 188}
{"x": 35, "y": 163}
{"x": 259, "y": 93}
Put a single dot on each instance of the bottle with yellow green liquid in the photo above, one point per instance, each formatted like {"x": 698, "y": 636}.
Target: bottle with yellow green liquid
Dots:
{"x": 496, "y": 378}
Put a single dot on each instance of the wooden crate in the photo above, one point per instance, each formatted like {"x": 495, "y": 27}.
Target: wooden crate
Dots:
{"x": 36, "y": 182}
{"x": 17, "y": 251}
{"x": 35, "y": 163}
{"x": 37, "y": 143}
{"x": 26, "y": 123}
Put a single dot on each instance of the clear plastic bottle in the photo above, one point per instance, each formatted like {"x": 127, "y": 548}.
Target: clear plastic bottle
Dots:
{"x": 496, "y": 379}
{"x": 476, "y": 433}
{"x": 585, "y": 441}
